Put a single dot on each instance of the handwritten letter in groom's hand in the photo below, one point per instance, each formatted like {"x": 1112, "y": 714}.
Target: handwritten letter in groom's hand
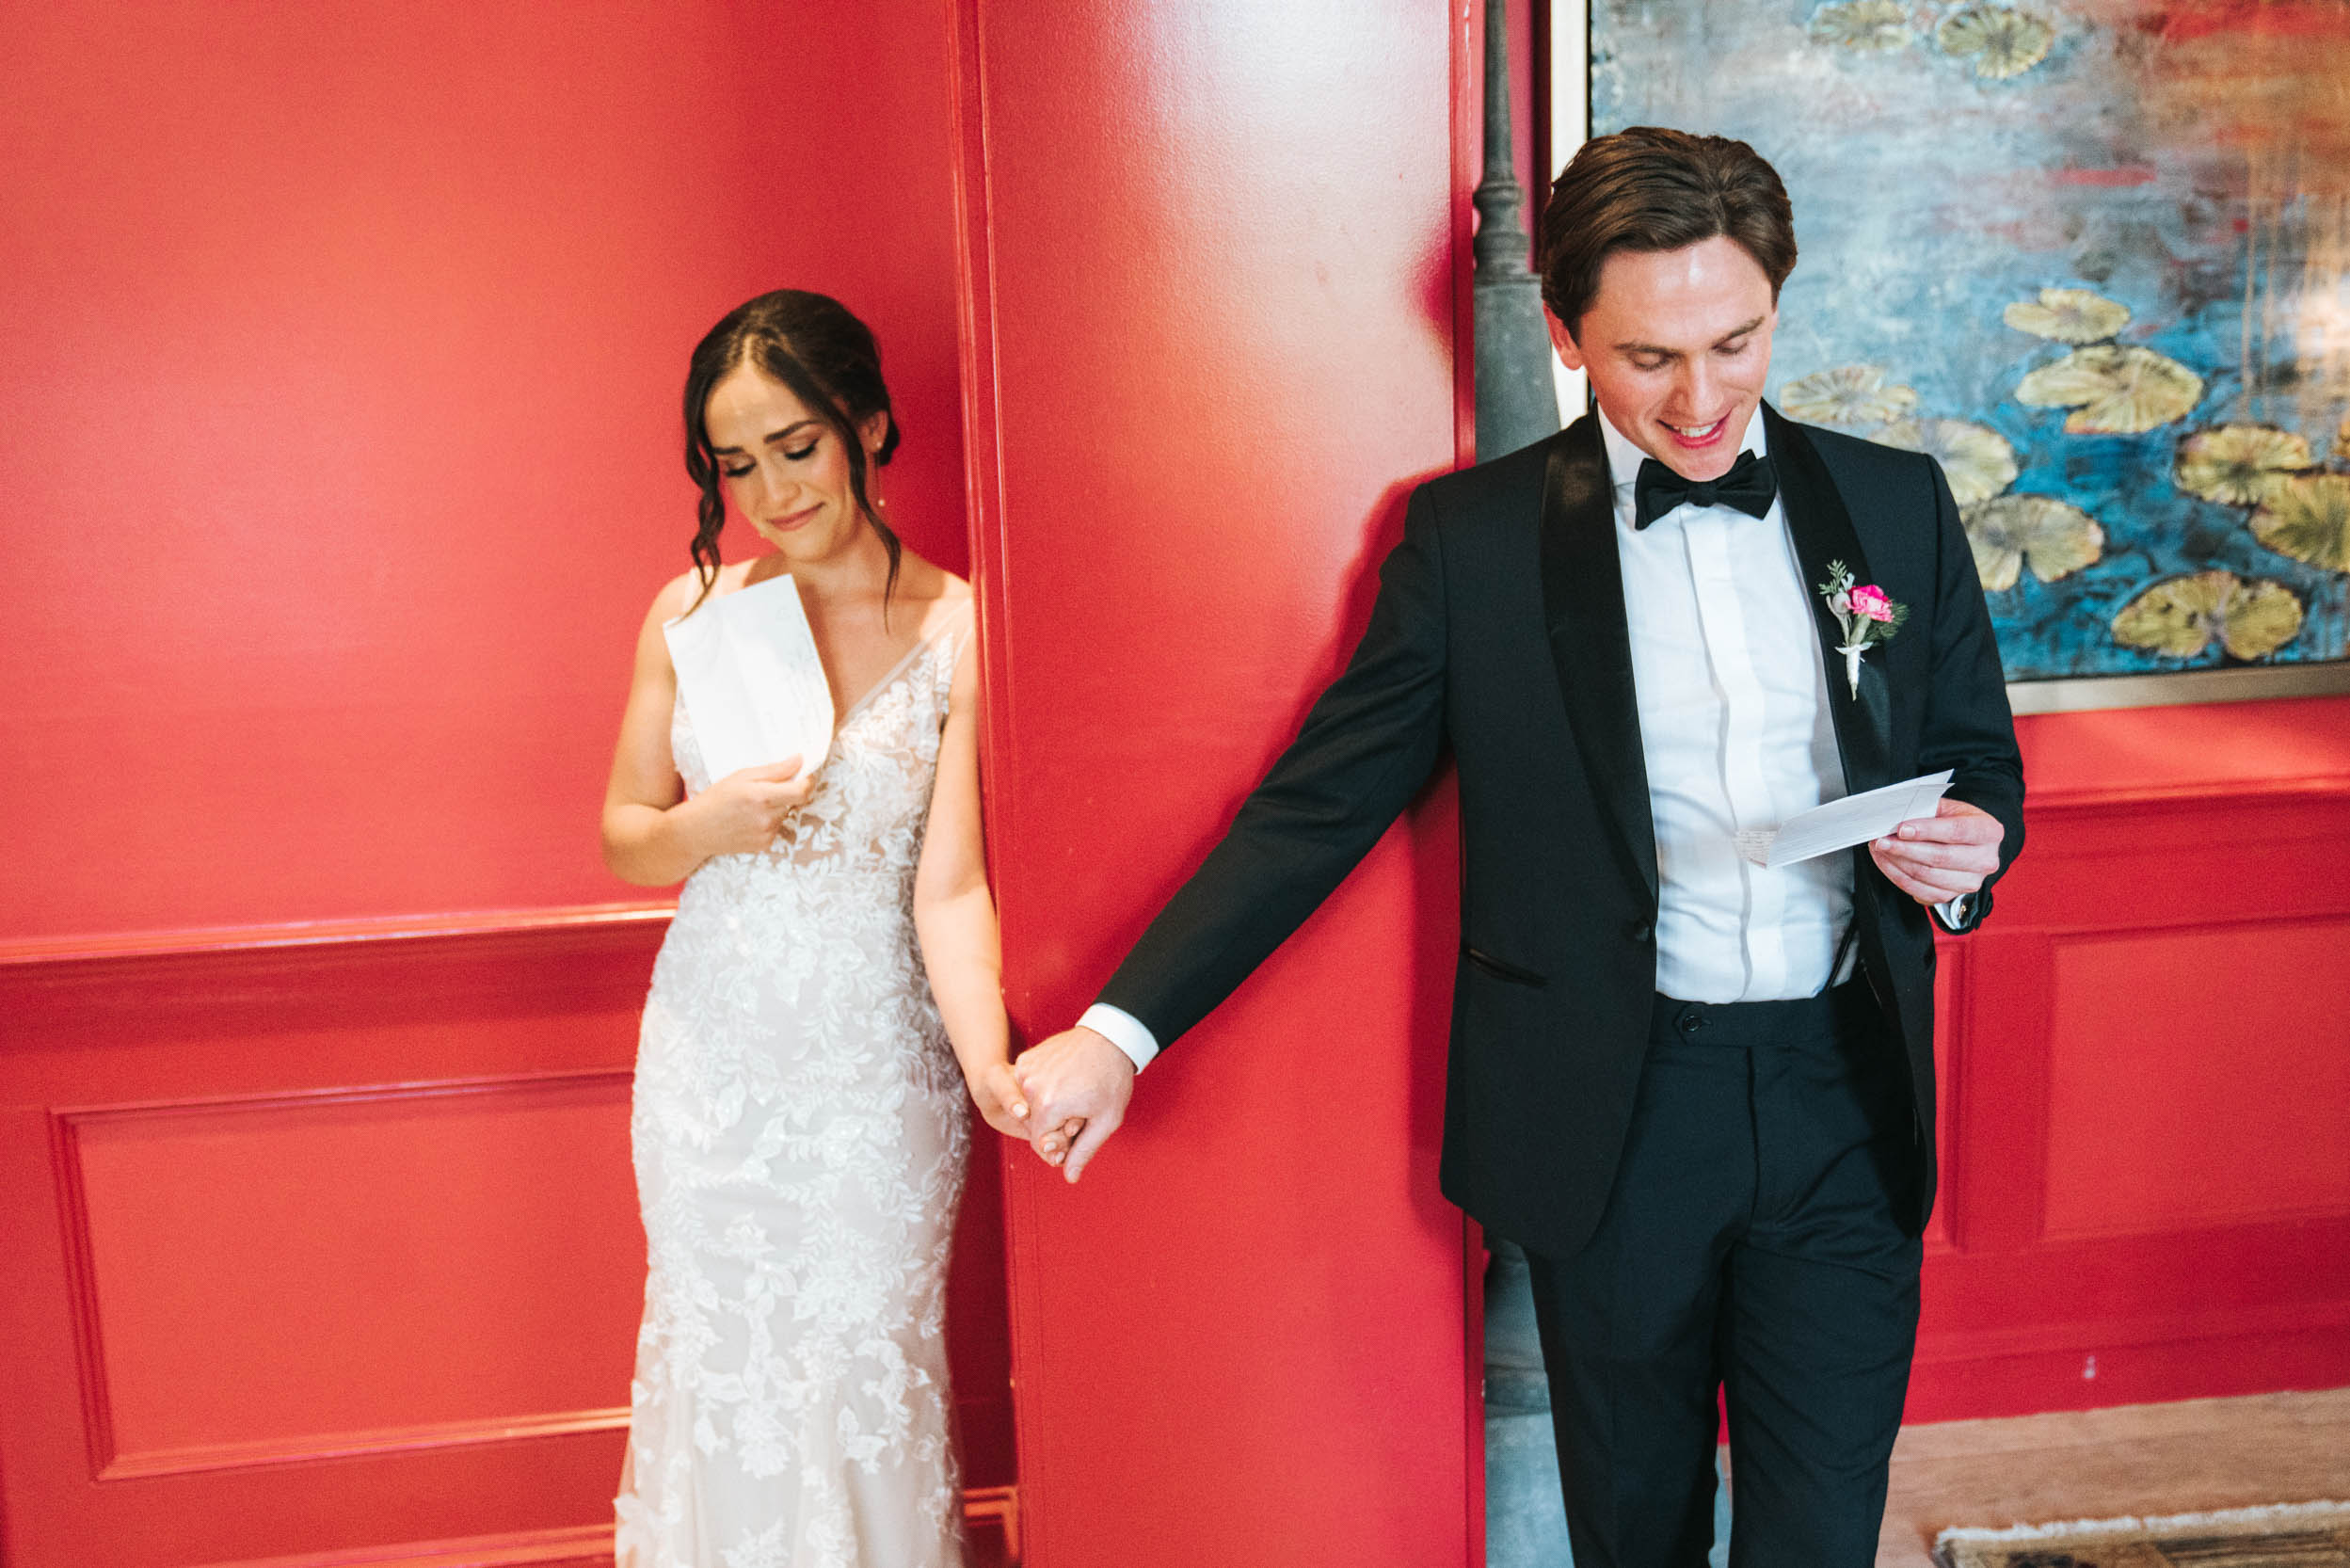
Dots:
{"x": 1842, "y": 824}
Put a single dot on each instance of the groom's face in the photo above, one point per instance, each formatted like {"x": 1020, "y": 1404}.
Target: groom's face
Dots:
{"x": 1677, "y": 343}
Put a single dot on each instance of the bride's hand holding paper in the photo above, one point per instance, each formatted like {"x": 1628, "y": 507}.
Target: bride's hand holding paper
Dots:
{"x": 748, "y": 671}
{"x": 743, "y": 813}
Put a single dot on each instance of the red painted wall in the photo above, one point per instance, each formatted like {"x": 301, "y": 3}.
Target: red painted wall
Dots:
{"x": 341, "y": 379}
{"x": 342, "y": 456}
{"x": 1214, "y": 257}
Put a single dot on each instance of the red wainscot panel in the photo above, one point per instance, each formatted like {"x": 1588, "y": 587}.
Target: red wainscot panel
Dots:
{"x": 2236, "y": 1106}
{"x": 2146, "y": 1189}
{"x": 350, "y": 1270}
{"x": 322, "y": 1246}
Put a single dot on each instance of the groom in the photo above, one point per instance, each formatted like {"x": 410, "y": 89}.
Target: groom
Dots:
{"x": 1699, "y": 1091}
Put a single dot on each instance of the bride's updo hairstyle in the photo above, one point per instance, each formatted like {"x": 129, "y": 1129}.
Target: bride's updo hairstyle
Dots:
{"x": 811, "y": 344}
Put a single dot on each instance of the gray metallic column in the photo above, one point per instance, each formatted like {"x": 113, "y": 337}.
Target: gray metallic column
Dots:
{"x": 1525, "y": 1525}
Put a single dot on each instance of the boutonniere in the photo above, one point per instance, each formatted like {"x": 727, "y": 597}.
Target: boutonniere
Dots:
{"x": 1868, "y": 617}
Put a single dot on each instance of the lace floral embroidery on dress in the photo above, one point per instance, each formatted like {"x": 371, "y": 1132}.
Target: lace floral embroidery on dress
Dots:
{"x": 800, "y": 1133}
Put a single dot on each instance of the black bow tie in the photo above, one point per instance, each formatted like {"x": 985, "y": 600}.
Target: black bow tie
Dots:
{"x": 1749, "y": 485}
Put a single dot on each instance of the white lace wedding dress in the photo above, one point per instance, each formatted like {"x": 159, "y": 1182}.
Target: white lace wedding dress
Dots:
{"x": 800, "y": 1131}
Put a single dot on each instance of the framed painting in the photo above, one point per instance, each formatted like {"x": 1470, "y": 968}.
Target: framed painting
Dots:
{"x": 2094, "y": 255}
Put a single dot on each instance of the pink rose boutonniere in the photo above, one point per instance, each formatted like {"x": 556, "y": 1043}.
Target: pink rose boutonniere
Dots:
{"x": 1870, "y": 601}
{"x": 1868, "y": 617}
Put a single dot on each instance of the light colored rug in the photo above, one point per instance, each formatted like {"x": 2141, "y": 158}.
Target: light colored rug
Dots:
{"x": 2296, "y": 1535}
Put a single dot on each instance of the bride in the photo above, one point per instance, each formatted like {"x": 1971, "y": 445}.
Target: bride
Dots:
{"x": 798, "y": 1123}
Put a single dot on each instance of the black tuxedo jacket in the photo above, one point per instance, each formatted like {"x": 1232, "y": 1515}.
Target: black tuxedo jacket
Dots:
{"x": 1499, "y": 633}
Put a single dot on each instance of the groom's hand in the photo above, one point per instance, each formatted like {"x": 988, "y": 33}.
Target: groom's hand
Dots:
{"x": 1076, "y": 1075}
{"x": 1936, "y": 859}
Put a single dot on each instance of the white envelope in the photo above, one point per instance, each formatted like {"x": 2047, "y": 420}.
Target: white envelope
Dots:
{"x": 1842, "y": 824}
{"x": 749, "y": 673}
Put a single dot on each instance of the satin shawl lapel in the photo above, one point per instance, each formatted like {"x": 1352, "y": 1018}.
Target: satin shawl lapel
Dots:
{"x": 1823, "y": 532}
{"x": 1590, "y": 641}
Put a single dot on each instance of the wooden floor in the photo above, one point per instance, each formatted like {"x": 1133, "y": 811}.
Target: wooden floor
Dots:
{"x": 2102, "y": 1464}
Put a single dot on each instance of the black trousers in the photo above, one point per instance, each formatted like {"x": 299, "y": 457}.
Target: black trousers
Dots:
{"x": 1749, "y": 1245}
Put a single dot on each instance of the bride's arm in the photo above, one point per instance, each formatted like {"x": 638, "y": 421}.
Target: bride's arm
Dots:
{"x": 652, "y": 835}
{"x": 954, "y": 916}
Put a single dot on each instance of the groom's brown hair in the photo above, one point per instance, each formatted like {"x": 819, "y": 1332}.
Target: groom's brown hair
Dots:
{"x": 1650, "y": 188}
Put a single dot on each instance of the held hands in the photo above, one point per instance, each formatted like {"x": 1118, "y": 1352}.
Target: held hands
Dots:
{"x": 1077, "y": 1084}
{"x": 743, "y": 812}
{"x": 996, "y": 1093}
{"x": 1936, "y": 859}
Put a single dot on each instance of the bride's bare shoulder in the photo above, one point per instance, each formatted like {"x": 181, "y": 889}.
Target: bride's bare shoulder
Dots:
{"x": 684, "y": 592}
{"x": 940, "y": 593}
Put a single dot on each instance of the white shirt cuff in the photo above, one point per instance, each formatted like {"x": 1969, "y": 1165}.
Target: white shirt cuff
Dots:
{"x": 1953, "y": 914}
{"x": 1123, "y": 1030}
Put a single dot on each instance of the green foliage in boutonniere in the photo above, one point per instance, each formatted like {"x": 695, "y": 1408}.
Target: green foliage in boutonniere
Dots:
{"x": 1868, "y": 617}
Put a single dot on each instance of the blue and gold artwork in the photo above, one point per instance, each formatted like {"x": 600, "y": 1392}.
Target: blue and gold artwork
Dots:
{"x": 2094, "y": 255}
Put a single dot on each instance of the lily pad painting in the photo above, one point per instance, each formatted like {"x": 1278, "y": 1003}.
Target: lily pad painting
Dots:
{"x": 2091, "y": 255}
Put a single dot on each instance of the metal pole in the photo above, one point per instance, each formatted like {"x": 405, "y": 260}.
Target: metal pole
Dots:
{"x": 1525, "y": 1524}
{"x": 1516, "y": 402}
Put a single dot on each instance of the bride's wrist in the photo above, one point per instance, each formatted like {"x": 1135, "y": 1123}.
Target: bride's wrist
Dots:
{"x": 975, "y": 1074}
{"x": 685, "y": 822}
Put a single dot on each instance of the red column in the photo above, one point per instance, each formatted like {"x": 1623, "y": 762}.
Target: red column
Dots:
{"x": 1210, "y": 260}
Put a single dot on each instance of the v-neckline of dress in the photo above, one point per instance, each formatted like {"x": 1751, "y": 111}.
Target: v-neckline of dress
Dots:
{"x": 920, "y": 647}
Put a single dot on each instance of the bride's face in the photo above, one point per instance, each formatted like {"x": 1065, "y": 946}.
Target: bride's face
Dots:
{"x": 784, "y": 467}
